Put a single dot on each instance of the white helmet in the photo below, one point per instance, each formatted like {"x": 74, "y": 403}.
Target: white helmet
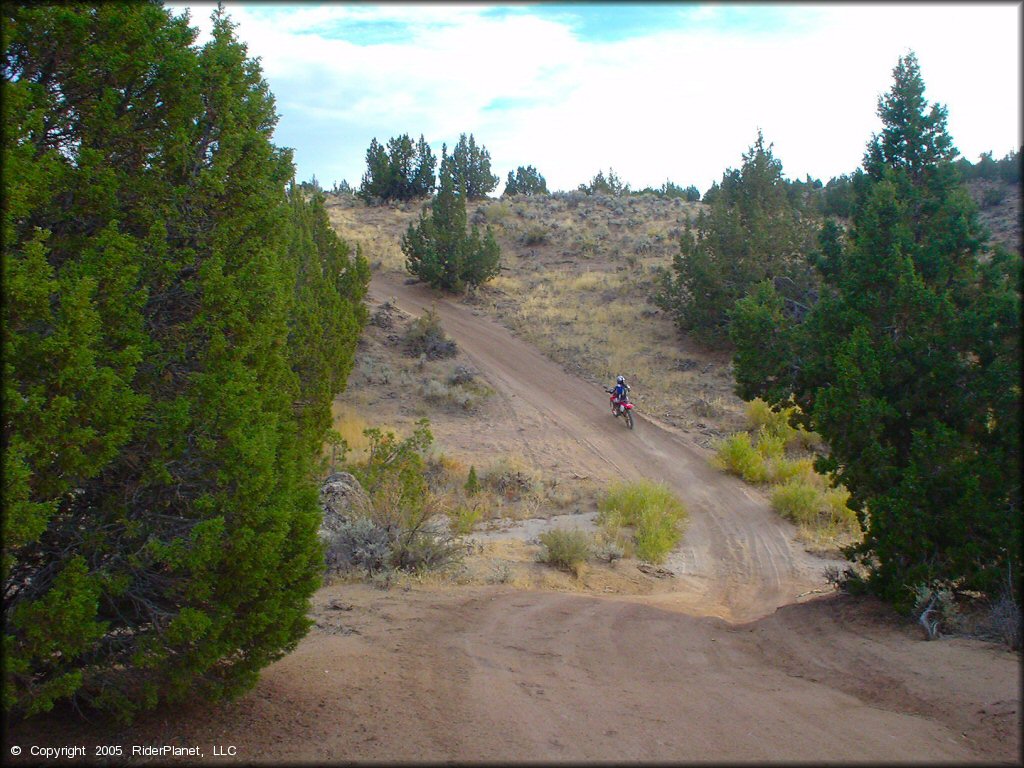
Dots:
{"x": 620, "y": 380}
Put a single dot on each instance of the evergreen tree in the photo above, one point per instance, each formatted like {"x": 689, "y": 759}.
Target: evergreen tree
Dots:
{"x": 527, "y": 181}
{"x": 426, "y": 163}
{"x": 601, "y": 185}
{"x": 909, "y": 364}
{"x": 160, "y": 325}
{"x": 401, "y": 168}
{"x": 401, "y": 171}
{"x": 377, "y": 181}
{"x": 471, "y": 167}
{"x": 437, "y": 248}
{"x": 751, "y": 232}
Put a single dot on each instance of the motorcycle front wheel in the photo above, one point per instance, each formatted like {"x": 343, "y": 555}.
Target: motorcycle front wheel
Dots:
{"x": 629, "y": 418}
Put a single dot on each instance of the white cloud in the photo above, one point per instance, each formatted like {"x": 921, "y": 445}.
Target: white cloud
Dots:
{"x": 683, "y": 102}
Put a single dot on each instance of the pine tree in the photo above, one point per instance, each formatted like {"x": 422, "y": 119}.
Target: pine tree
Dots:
{"x": 909, "y": 363}
{"x": 438, "y": 249}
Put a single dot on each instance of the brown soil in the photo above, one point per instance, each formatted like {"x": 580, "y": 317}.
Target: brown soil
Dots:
{"x": 735, "y": 650}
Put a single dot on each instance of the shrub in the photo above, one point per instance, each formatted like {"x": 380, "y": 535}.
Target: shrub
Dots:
{"x": 510, "y": 479}
{"x": 651, "y": 510}
{"x": 463, "y": 517}
{"x": 770, "y": 444}
{"x": 472, "y": 485}
{"x": 798, "y": 501}
{"x": 426, "y": 337}
{"x": 1004, "y": 620}
{"x": 535, "y": 235}
{"x": 394, "y": 477}
{"x": 609, "y": 552}
{"x": 782, "y": 470}
{"x": 359, "y": 544}
{"x": 735, "y": 454}
{"x": 840, "y": 514}
{"x": 567, "y": 549}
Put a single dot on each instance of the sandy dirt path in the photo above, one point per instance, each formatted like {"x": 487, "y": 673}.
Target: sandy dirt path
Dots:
{"x": 738, "y": 661}
{"x": 738, "y": 560}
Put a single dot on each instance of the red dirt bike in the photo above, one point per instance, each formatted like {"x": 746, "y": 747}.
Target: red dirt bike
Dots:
{"x": 621, "y": 407}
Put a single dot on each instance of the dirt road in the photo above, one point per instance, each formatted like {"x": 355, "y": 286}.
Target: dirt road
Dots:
{"x": 740, "y": 661}
{"x": 738, "y": 560}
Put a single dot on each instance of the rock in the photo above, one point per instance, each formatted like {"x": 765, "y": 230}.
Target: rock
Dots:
{"x": 339, "y": 495}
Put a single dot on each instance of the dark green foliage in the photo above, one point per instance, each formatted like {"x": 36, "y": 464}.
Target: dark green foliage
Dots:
{"x": 437, "y": 248}
{"x": 472, "y": 486}
{"x": 527, "y": 181}
{"x": 402, "y": 171}
{"x": 751, "y": 232}
{"x": 471, "y": 169}
{"x": 602, "y": 185}
{"x": 174, "y": 328}
{"x": 909, "y": 364}
{"x": 669, "y": 190}
{"x": 1007, "y": 169}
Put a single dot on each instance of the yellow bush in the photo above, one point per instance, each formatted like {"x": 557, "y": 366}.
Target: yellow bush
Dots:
{"x": 568, "y": 549}
{"x": 799, "y": 502}
{"x": 735, "y": 454}
{"x": 651, "y": 510}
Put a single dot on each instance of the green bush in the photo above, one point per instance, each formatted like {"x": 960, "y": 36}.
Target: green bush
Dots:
{"x": 782, "y": 470}
{"x": 568, "y": 549}
{"x": 464, "y": 517}
{"x": 736, "y": 454}
{"x": 770, "y": 444}
{"x": 653, "y": 512}
{"x": 798, "y": 501}
{"x": 472, "y": 486}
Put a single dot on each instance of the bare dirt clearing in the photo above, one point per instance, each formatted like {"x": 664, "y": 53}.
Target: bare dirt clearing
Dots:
{"x": 736, "y": 657}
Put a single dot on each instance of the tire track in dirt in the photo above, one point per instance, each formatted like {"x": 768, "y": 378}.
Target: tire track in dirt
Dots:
{"x": 738, "y": 560}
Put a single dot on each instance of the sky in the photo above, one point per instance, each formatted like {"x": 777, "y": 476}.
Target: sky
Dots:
{"x": 656, "y": 92}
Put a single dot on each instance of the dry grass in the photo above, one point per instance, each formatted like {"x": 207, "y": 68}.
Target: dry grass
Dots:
{"x": 578, "y": 275}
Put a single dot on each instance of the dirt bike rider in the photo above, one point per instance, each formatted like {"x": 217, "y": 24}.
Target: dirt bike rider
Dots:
{"x": 620, "y": 394}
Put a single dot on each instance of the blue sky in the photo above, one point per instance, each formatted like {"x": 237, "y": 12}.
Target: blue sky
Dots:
{"x": 655, "y": 91}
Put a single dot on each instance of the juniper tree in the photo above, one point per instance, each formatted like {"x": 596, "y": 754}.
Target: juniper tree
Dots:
{"x": 424, "y": 176}
{"x": 437, "y": 248}
{"x": 909, "y": 363}
{"x": 471, "y": 168}
{"x": 526, "y": 181}
{"x": 751, "y": 232}
{"x": 161, "y": 326}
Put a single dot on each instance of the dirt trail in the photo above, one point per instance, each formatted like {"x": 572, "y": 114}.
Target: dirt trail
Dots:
{"x": 738, "y": 560}
{"x": 739, "y": 661}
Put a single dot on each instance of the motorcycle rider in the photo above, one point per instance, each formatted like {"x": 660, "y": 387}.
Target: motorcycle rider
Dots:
{"x": 620, "y": 394}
